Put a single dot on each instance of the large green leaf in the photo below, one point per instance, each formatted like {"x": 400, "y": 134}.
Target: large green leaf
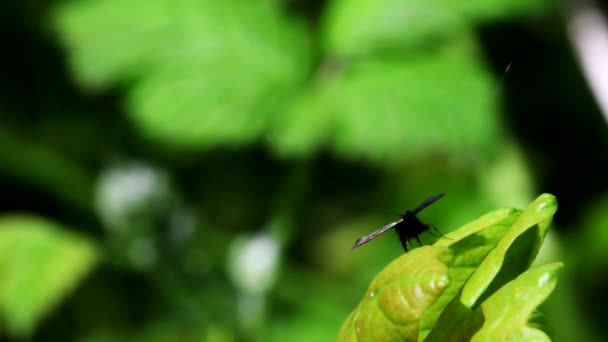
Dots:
{"x": 410, "y": 108}
{"x": 209, "y": 73}
{"x": 359, "y": 27}
{"x": 200, "y": 72}
{"x": 475, "y": 261}
{"x": 305, "y": 125}
{"x": 382, "y": 108}
{"x": 40, "y": 262}
{"x": 422, "y": 100}
{"x": 354, "y": 28}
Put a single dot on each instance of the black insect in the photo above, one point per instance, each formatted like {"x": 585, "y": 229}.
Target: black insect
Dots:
{"x": 408, "y": 227}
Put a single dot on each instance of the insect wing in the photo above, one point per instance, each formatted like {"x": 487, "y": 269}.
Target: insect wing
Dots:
{"x": 426, "y": 203}
{"x": 375, "y": 234}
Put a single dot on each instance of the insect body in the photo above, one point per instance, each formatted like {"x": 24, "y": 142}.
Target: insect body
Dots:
{"x": 408, "y": 227}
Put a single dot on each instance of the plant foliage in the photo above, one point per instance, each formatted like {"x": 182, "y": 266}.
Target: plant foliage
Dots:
{"x": 40, "y": 263}
{"x": 382, "y": 79}
{"x": 475, "y": 284}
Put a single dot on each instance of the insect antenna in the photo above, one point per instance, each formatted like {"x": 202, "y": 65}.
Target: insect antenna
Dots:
{"x": 506, "y": 72}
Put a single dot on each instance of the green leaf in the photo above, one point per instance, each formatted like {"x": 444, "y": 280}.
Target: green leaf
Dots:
{"x": 227, "y": 73}
{"x": 495, "y": 9}
{"x": 201, "y": 72}
{"x": 386, "y": 108}
{"x": 469, "y": 245}
{"x": 40, "y": 262}
{"x": 305, "y": 125}
{"x": 360, "y": 27}
{"x": 64, "y": 179}
{"x": 505, "y": 314}
{"x": 508, "y": 178}
{"x": 512, "y": 255}
{"x": 398, "y": 296}
{"x": 474, "y": 263}
{"x": 515, "y": 251}
{"x": 354, "y": 28}
{"x": 412, "y": 107}
{"x": 595, "y": 238}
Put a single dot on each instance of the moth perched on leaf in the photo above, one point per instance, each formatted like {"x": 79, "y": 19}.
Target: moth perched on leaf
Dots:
{"x": 408, "y": 227}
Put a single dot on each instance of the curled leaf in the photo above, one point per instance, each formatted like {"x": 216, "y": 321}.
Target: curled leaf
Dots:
{"x": 506, "y": 313}
{"x": 398, "y": 296}
{"x": 511, "y": 255}
{"x": 445, "y": 292}
{"x": 469, "y": 246}
{"x": 518, "y": 246}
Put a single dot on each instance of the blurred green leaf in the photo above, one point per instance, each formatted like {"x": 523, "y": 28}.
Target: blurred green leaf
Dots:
{"x": 314, "y": 321}
{"x": 383, "y": 107}
{"x": 359, "y": 27}
{"x": 202, "y": 72}
{"x": 507, "y": 179}
{"x": 354, "y": 28}
{"x": 595, "y": 240}
{"x": 196, "y": 80}
{"x": 40, "y": 262}
{"x": 305, "y": 125}
{"x": 496, "y": 9}
{"x": 410, "y": 108}
{"x": 163, "y": 331}
{"x": 62, "y": 178}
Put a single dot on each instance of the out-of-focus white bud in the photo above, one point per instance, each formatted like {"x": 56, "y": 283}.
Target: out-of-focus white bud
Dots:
{"x": 253, "y": 262}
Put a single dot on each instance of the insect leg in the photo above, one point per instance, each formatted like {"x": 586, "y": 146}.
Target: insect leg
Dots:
{"x": 433, "y": 234}
{"x": 437, "y": 230}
